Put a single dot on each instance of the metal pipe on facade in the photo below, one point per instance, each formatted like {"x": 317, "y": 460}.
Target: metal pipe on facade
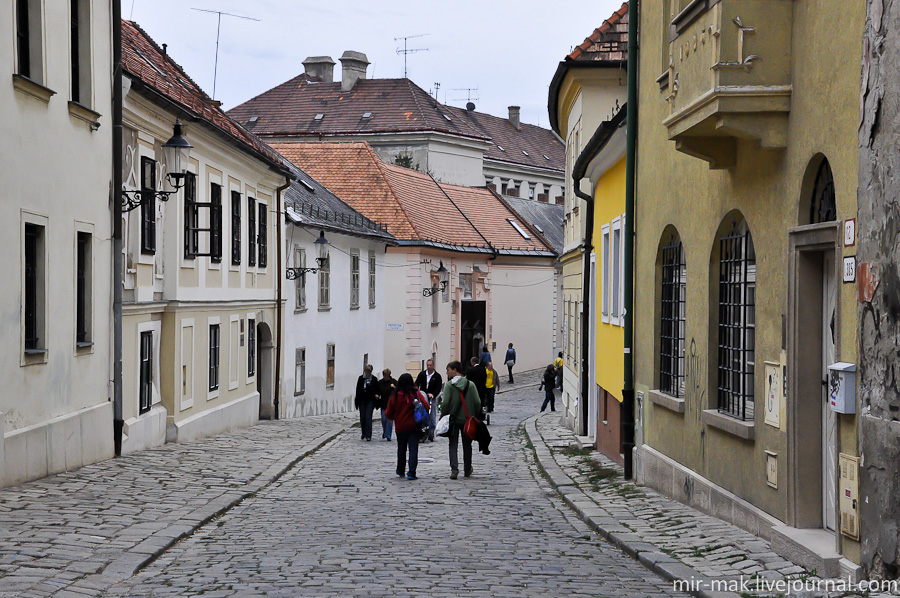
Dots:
{"x": 118, "y": 263}
{"x": 630, "y": 158}
{"x": 279, "y": 324}
{"x": 588, "y": 247}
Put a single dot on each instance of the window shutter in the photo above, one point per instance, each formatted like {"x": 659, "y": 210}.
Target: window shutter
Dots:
{"x": 263, "y": 236}
{"x": 251, "y": 231}
{"x": 235, "y": 228}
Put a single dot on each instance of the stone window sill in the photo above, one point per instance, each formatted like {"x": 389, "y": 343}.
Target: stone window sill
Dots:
{"x": 300, "y": 310}
{"x": 742, "y": 429}
{"x": 84, "y": 113}
{"x": 667, "y": 401}
{"x": 663, "y": 80}
{"x": 32, "y": 88}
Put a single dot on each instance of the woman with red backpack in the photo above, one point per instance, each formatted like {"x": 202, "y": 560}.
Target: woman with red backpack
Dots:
{"x": 402, "y": 408}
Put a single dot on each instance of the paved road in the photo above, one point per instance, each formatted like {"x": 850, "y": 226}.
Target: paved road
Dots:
{"x": 340, "y": 523}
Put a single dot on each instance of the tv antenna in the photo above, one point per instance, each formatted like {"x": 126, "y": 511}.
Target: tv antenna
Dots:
{"x": 218, "y": 30}
{"x": 436, "y": 89}
{"x": 470, "y": 91}
{"x": 406, "y": 51}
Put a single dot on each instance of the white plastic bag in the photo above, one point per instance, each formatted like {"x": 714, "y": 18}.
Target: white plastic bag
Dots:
{"x": 443, "y": 426}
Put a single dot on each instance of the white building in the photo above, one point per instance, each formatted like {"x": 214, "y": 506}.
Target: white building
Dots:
{"x": 55, "y": 412}
{"x": 201, "y": 269}
{"x": 334, "y": 317}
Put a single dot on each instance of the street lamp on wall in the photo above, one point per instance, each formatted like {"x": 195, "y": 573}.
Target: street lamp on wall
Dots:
{"x": 428, "y": 292}
{"x": 177, "y": 152}
{"x": 321, "y": 259}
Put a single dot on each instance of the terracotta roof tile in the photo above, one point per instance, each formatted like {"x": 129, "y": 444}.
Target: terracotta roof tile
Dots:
{"x": 144, "y": 61}
{"x": 608, "y": 42}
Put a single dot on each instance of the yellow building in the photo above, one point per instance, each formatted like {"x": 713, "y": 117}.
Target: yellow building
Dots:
{"x": 746, "y": 205}
{"x": 587, "y": 88}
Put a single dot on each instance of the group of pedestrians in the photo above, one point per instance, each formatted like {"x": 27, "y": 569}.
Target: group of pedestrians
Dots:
{"x": 467, "y": 391}
{"x": 551, "y": 380}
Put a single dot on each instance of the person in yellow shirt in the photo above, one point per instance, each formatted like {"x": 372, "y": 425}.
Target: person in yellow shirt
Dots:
{"x": 558, "y": 364}
{"x": 493, "y": 382}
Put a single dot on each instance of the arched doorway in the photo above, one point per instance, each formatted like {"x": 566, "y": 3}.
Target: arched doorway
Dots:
{"x": 265, "y": 361}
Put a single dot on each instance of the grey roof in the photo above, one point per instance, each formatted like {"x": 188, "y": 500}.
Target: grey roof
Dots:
{"x": 547, "y": 218}
{"x": 309, "y": 203}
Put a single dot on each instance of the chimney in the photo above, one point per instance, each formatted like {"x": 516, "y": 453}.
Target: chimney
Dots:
{"x": 353, "y": 67}
{"x": 320, "y": 67}
{"x": 514, "y": 116}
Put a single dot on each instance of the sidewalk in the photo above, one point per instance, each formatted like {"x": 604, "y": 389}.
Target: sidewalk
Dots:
{"x": 76, "y": 533}
{"x": 672, "y": 539}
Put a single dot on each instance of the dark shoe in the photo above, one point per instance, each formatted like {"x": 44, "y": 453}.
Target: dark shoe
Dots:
{"x": 469, "y": 472}
{"x": 411, "y": 476}
{"x": 368, "y": 440}
{"x": 454, "y": 475}
{"x": 553, "y": 410}
{"x": 399, "y": 473}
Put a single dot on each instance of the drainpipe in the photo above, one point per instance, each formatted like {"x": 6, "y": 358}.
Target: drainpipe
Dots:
{"x": 118, "y": 261}
{"x": 585, "y": 300}
{"x": 630, "y": 156}
{"x": 278, "y": 296}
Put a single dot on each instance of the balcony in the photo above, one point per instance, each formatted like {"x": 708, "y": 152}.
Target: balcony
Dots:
{"x": 729, "y": 77}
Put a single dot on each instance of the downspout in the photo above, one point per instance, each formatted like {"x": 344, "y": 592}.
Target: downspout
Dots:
{"x": 585, "y": 300}
{"x": 118, "y": 264}
{"x": 630, "y": 157}
{"x": 278, "y": 299}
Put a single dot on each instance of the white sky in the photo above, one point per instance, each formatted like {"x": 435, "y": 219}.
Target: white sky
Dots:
{"x": 509, "y": 50}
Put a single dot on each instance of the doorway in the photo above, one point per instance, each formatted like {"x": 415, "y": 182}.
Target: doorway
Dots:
{"x": 829, "y": 418}
{"x": 472, "y": 329}
{"x": 265, "y": 351}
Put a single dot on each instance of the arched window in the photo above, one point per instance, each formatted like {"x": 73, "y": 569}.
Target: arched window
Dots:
{"x": 672, "y": 317}
{"x": 822, "y": 207}
{"x": 737, "y": 322}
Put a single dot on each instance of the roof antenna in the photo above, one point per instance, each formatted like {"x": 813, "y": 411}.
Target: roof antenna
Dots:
{"x": 406, "y": 51}
{"x": 471, "y": 94}
{"x": 218, "y": 29}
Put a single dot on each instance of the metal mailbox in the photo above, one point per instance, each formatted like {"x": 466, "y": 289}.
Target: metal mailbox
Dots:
{"x": 842, "y": 387}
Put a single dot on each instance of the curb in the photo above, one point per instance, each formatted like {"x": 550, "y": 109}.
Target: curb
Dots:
{"x": 138, "y": 557}
{"x": 596, "y": 518}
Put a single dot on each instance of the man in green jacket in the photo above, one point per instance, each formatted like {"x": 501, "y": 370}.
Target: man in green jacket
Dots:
{"x": 451, "y": 403}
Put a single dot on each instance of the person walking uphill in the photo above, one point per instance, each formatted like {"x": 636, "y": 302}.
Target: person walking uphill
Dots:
{"x": 386, "y": 387}
{"x": 548, "y": 383}
{"x": 430, "y": 382}
{"x": 456, "y": 390}
{"x": 510, "y": 361}
{"x": 401, "y": 408}
{"x": 366, "y": 396}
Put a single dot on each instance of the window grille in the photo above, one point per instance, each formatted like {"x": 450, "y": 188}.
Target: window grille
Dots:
{"x": 263, "y": 236}
{"x": 213, "y": 356}
{"x": 148, "y": 206}
{"x": 737, "y": 324}
{"x": 823, "y": 207}
{"x": 33, "y": 288}
{"x": 83, "y": 288}
{"x": 146, "y": 372}
{"x": 235, "y": 228}
{"x": 371, "y": 279}
{"x": 251, "y": 347}
{"x": 251, "y": 231}
{"x": 672, "y": 319}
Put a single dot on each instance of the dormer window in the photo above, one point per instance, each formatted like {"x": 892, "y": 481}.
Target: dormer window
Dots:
{"x": 524, "y": 152}
{"x": 253, "y": 119}
{"x": 519, "y": 229}
{"x": 447, "y": 117}
{"x": 367, "y": 115}
{"x": 500, "y": 147}
{"x": 319, "y": 116}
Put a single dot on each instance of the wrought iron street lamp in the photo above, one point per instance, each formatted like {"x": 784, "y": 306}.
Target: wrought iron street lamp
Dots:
{"x": 428, "y": 292}
{"x": 321, "y": 259}
{"x": 177, "y": 151}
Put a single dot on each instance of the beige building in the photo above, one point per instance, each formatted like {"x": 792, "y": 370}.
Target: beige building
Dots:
{"x": 56, "y": 105}
{"x": 200, "y": 315}
{"x": 586, "y": 90}
{"x": 746, "y": 201}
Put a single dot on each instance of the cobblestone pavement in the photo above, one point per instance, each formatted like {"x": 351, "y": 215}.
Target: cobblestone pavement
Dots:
{"x": 84, "y": 530}
{"x": 341, "y": 523}
{"x": 646, "y": 522}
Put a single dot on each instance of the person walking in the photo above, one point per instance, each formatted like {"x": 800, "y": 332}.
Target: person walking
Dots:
{"x": 386, "y": 387}
{"x": 548, "y": 383}
{"x": 431, "y": 383}
{"x": 458, "y": 389}
{"x": 477, "y": 375}
{"x": 366, "y": 396}
{"x": 401, "y": 408}
{"x": 558, "y": 364}
{"x": 492, "y": 382}
{"x": 485, "y": 355}
{"x": 510, "y": 361}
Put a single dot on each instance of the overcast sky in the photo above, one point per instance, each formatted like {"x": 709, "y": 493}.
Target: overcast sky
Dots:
{"x": 509, "y": 50}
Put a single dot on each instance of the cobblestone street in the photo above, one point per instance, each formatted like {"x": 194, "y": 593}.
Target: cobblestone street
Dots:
{"x": 341, "y": 523}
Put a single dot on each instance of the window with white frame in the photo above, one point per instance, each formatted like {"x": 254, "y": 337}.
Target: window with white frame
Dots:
{"x": 329, "y": 365}
{"x": 325, "y": 283}
{"x": 300, "y": 282}
{"x": 605, "y": 263}
{"x": 80, "y": 51}
{"x": 251, "y": 347}
{"x": 29, "y": 43}
{"x": 354, "y": 278}
{"x": 34, "y": 292}
{"x": 300, "y": 371}
{"x": 83, "y": 288}
{"x": 213, "y": 357}
{"x": 615, "y": 310}
{"x": 371, "y": 279}
{"x": 146, "y": 372}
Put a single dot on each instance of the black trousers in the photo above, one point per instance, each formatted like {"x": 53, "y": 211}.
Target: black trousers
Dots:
{"x": 549, "y": 397}
{"x": 365, "y": 418}
{"x": 509, "y": 367}
{"x": 408, "y": 440}
{"x": 454, "y": 449}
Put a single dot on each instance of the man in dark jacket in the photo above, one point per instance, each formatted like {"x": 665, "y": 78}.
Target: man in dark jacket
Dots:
{"x": 367, "y": 394}
{"x": 431, "y": 384}
{"x": 477, "y": 375}
{"x": 510, "y": 361}
{"x": 456, "y": 390}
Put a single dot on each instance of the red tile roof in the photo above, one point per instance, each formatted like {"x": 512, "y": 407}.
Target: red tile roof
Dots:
{"x": 393, "y": 105}
{"x": 413, "y": 206}
{"x": 143, "y": 61}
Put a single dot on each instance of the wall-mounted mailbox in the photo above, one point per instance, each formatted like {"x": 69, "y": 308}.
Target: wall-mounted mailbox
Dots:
{"x": 842, "y": 387}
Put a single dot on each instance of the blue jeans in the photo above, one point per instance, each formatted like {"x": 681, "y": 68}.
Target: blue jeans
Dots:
{"x": 387, "y": 426}
{"x": 365, "y": 418}
{"x": 408, "y": 440}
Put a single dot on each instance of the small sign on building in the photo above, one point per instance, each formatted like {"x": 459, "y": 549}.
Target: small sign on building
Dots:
{"x": 772, "y": 469}
{"x": 849, "y": 232}
{"x": 850, "y": 268}
{"x": 774, "y": 395}
{"x": 393, "y": 326}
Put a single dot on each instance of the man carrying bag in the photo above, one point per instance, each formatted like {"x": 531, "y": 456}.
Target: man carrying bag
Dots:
{"x": 460, "y": 401}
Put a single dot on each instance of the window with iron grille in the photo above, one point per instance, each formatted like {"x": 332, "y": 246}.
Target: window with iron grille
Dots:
{"x": 329, "y": 365}
{"x": 354, "y": 278}
{"x": 263, "y": 236}
{"x": 371, "y": 279}
{"x": 672, "y": 319}
{"x": 215, "y": 222}
{"x": 213, "y": 356}
{"x": 300, "y": 262}
{"x": 251, "y": 231}
{"x": 83, "y": 289}
{"x": 737, "y": 323}
{"x": 148, "y": 206}
{"x": 235, "y": 228}
{"x": 191, "y": 217}
{"x": 146, "y": 372}
{"x": 300, "y": 371}
{"x": 251, "y": 347}
{"x": 34, "y": 288}
{"x": 325, "y": 283}
{"x": 823, "y": 207}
